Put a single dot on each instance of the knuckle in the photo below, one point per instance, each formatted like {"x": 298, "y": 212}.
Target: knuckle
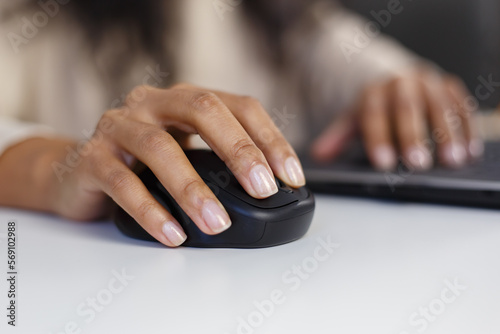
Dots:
{"x": 191, "y": 186}
{"x": 243, "y": 147}
{"x": 108, "y": 119}
{"x": 117, "y": 180}
{"x": 108, "y": 116}
{"x": 145, "y": 207}
{"x": 153, "y": 140}
{"x": 205, "y": 102}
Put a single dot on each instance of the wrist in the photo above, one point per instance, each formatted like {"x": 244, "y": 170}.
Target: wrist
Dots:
{"x": 27, "y": 175}
{"x": 52, "y": 172}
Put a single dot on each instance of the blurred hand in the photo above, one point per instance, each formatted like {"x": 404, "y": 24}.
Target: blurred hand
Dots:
{"x": 413, "y": 118}
{"x": 231, "y": 125}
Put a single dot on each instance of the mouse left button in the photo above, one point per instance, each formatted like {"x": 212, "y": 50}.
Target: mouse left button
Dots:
{"x": 283, "y": 187}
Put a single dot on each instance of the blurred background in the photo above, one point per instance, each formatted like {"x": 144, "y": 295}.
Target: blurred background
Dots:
{"x": 461, "y": 36}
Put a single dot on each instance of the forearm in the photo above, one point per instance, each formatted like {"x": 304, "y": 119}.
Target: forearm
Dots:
{"x": 27, "y": 179}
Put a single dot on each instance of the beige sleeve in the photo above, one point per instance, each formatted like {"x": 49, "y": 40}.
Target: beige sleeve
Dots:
{"x": 13, "y": 131}
{"x": 16, "y": 89}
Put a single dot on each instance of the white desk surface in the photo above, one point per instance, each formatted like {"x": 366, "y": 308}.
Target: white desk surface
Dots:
{"x": 389, "y": 274}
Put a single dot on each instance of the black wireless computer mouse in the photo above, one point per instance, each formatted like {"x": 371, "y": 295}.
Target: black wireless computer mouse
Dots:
{"x": 281, "y": 218}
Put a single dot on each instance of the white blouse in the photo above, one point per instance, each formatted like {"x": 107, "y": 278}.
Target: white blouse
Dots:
{"x": 51, "y": 84}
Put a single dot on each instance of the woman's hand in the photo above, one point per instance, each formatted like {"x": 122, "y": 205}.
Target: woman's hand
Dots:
{"x": 237, "y": 128}
{"x": 406, "y": 119}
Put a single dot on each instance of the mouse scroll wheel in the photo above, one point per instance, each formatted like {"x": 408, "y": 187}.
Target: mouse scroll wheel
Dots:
{"x": 283, "y": 187}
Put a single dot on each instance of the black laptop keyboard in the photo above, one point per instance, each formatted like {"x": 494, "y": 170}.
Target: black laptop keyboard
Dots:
{"x": 354, "y": 160}
{"x": 490, "y": 163}
{"x": 487, "y": 168}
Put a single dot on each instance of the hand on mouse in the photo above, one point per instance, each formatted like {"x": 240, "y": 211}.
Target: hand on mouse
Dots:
{"x": 406, "y": 119}
{"x": 237, "y": 128}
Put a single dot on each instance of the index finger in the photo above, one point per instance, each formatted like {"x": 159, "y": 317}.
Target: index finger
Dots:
{"x": 205, "y": 113}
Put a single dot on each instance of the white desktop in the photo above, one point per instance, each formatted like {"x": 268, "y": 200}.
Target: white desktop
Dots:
{"x": 365, "y": 266}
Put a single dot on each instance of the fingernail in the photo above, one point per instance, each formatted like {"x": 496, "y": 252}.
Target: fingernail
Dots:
{"x": 454, "y": 155}
{"x": 419, "y": 158}
{"x": 262, "y": 181}
{"x": 174, "y": 233}
{"x": 385, "y": 157}
{"x": 215, "y": 217}
{"x": 294, "y": 172}
{"x": 476, "y": 148}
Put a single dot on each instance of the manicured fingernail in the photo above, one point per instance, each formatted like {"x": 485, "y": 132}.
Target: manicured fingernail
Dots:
{"x": 385, "y": 157}
{"x": 294, "y": 172}
{"x": 476, "y": 148}
{"x": 215, "y": 217}
{"x": 262, "y": 181}
{"x": 419, "y": 158}
{"x": 454, "y": 155}
{"x": 174, "y": 233}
